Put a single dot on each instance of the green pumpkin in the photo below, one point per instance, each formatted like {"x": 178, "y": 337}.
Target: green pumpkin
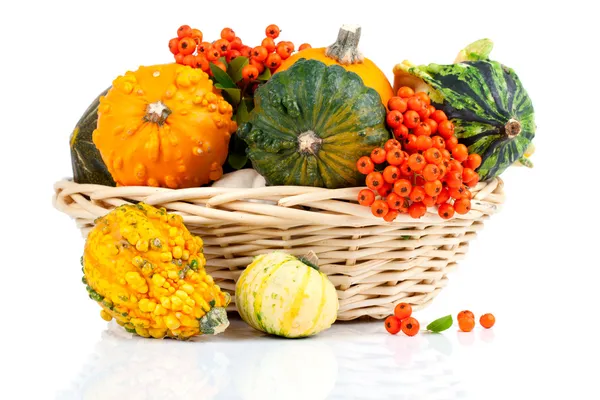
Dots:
{"x": 491, "y": 110}
{"x": 86, "y": 161}
{"x": 311, "y": 123}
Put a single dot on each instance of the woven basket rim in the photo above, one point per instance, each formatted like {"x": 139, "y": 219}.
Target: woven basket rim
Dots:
{"x": 269, "y": 206}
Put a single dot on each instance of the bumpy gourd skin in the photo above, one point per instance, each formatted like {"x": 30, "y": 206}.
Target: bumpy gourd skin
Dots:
{"x": 146, "y": 270}
{"x": 164, "y": 125}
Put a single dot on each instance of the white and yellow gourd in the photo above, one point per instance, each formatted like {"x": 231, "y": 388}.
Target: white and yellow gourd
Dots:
{"x": 282, "y": 295}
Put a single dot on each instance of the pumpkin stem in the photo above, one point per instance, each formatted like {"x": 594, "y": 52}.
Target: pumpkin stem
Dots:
{"x": 157, "y": 113}
{"x": 512, "y": 128}
{"x": 309, "y": 143}
{"x": 311, "y": 260}
{"x": 345, "y": 49}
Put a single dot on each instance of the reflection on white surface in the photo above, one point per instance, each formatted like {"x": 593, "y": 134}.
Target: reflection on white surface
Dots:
{"x": 349, "y": 361}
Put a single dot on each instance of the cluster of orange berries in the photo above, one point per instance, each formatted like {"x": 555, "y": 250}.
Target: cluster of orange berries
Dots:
{"x": 402, "y": 321}
{"x": 189, "y": 48}
{"x": 422, "y": 167}
{"x": 466, "y": 320}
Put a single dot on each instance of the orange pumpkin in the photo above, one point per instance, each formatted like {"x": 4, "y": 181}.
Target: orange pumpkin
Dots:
{"x": 164, "y": 125}
{"x": 345, "y": 53}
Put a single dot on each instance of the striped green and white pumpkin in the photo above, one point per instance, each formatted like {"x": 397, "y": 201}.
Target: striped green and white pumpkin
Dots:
{"x": 282, "y": 295}
{"x": 491, "y": 110}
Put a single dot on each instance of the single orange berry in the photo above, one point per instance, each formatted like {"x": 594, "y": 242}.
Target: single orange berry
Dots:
{"x": 410, "y": 142}
{"x": 417, "y": 210}
{"x": 384, "y": 190}
{"x": 417, "y": 194}
{"x": 304, "y": 46}
{"x": 429, "y": 201}
{"x": 433, "y": 126}
{"x": 403, "y": 310}
{"x": 212, "y": 54}
{"x": 457, "y": 193}
{"x": 460, "y": 152}
{"x": 431, "y": 172}
{"x": 391, "y": 173}
{"x": 189, "y": 60}
{"x": 424, "y": 112}
{"x": 424, "y": 97}
{"x": 273, "y": 61}
{"x": 232, "y": 55}
{"x": 378, "y": 155}
{"x": 405, "y": 92}
{"x": 366, "y": 197}
{"x": 379, "y": 208}
{"x": 417, "y": 162}
{"x": 462, "y": 206}
{"x": 249, "y": 73}
{"x": 184, "y": 31}
{"x": 473, "y": 182}
{"x": 402, "y": 187}
{"x": 223, "y": 46}
{"x": 392, "y": 324}
{"x": 446, "y": 211}
{"x": 410, "y": 326}
{"x": 228, "y": 34}
{"x": 259, "y": 53}
{"x": 397, "y": 103}
{"x": 438, "y": 116}
{"x": 422, "y": 129}
{"x": 394, "y": 119}
{"x": 365, "y": 165}
{"x": 401, "y": 132}
{"x": 179, "y": 58}
{"x": 272, "y": 31}
{"x": 451, "y": 143}
{"x": 446, "y": 154}
{"x": 487, "y": 320}
{"x": 201, "y": 62}
{"x": 392, "y": 144}
{"x": 174, "y": 45}
{"x": 391, "y": 215}
{"x": 245, "y": 50}
{"x": 259, "y": 65}
{"x": 411, "y": 119}
{"x": 446, "y": 128}
{"x": 236, "y": 44}
{"x": 394, "y": 201}
{"x": 284, "y": 50}
{"x": 415, "y": 103}
{"x": 468, "y": 175}
{"x": 465, "y": 314}
{"x": 269, "y": 44}
{"x": 186, "y": 46}
{"x": 395, "y": 156}
{"x": 433, "y": 188}
{"x": 473, "y": 161}
{"x": 204, "y": 48}
{"x": 443, "y": 197}
{"x": 466, "y": 324}
{"x": 433, "y": 155}
{"x": 374, "y": 180}
{"x": 437, "y": 141}
{"x": 197, "y": 36}
{"x": 453, "y": 179}
{"x": 423, "y": 142}
{"x": 455, "y": 166}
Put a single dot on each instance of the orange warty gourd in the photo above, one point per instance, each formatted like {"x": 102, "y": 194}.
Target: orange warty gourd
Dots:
{"x": 345, "y": 52}
{"x": 164, "y": 125}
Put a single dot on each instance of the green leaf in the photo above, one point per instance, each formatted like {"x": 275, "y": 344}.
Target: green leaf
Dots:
{"x": 237, "y": 161}
{"x": 440, "y": 324}
{"x": 242, "y": 115}
{"x": 233, "y": 96}
{"x": 235, "y": 68}
{"x": 222, "y": 77}
{"x": 265, "y": 76}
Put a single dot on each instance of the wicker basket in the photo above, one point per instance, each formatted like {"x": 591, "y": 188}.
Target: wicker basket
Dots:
{"x": 372, "y": 263}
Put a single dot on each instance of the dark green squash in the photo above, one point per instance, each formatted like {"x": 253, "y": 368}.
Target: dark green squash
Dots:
{"x": 86, "y": 161}
{"x": 311, "y": 123}
{"x": 491, "y": 110}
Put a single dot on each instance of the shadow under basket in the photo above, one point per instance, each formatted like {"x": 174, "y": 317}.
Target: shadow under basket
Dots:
{"x": 373, "y": 264}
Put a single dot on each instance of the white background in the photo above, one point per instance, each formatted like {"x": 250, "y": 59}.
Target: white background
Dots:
{"x": 535, "y": 265}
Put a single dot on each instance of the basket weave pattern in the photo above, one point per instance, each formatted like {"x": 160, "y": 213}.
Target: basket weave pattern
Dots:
{"x": 372, "y": 263}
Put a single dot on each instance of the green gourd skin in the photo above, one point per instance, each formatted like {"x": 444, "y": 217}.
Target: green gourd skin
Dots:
{"x": 311, "y": 123}
{"x": 86, "y": 160}
{"x": 491, "y": 110}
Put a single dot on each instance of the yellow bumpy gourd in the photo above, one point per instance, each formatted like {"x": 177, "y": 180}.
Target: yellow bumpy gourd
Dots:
{"x": 146, "y": 270}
